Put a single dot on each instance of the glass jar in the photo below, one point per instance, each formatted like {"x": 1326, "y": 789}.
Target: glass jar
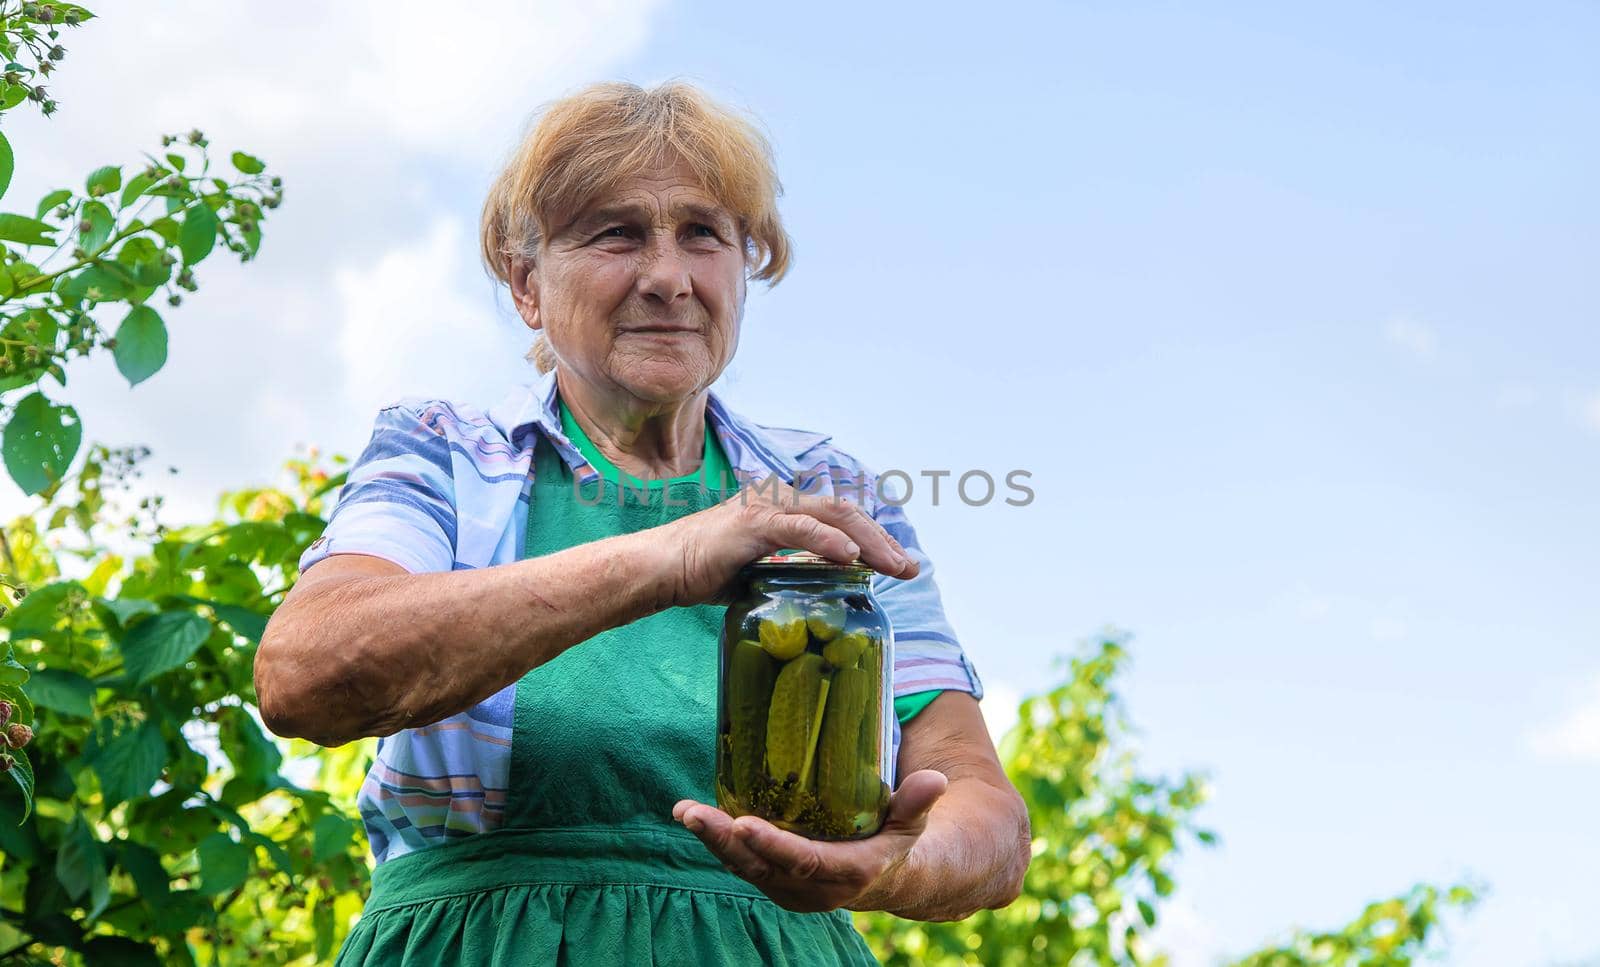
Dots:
{"x": 805, "y": 699}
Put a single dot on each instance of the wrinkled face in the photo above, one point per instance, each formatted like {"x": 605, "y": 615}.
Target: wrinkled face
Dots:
{"x": 643, "y": 293}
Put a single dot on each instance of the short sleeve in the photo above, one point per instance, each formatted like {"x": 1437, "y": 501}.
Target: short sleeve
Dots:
{"x": 399, "y": 500}
{"x": 927, "y": 654}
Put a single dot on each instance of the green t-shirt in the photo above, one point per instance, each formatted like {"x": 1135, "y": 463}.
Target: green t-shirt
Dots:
{"x": 715, "y": 473}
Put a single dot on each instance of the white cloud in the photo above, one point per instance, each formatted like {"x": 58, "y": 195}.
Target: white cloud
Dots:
{"x": 386, "y": 119}
{"x": 1591, "y": 411}
{"x": 999, "y": 707}
{"x": 1310, "y": 604}
{"x": 1187, "y": 937}
{"x": 406, "y": 331}
{"x": 1415, "y": 337}
{"x": 437, "y": 83}
{"x": 360, "y": 72}
{"x": 1575, "y": 737}
{"x": 1388, "y": 628}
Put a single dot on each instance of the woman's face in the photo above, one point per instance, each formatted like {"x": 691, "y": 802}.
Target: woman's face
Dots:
{"x": 643, "y": 293}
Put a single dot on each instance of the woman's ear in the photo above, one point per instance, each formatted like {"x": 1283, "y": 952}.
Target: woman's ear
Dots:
{"x": 525, "y": 291}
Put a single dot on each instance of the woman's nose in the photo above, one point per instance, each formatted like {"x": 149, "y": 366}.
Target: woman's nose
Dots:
{"x": 665, "y": 275}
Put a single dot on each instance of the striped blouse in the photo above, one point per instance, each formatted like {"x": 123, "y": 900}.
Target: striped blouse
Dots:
{"x": 442, "y": 486}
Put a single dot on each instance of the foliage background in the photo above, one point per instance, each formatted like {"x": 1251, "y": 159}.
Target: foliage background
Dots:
{"x": 132, "y": 705}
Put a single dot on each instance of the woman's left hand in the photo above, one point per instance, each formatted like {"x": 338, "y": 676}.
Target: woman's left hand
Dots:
{"x": 811, "y": 876}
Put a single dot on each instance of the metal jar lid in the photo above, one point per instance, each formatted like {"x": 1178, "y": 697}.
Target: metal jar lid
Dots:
{"x": 808, "y": 561}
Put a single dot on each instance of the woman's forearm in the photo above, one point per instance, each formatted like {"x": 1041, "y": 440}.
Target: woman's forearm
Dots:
{"x": 971, "y": 857}
{"x": 376, "y": 654}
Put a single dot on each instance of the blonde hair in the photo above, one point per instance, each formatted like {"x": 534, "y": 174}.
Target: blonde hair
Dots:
{"x": 585, "y": 144}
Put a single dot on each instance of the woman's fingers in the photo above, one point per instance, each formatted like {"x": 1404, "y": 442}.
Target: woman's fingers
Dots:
{"x": 911, "y": 803}
{"x": 843, "y": 531}
{"x": 715, "y": 829}
{"x": 812, "y": 534}
{"x": 793, "y": 855}
{"x": 706, "y": 550}
{"x": 877, "y": 548}
{"x": 808, "y": 875}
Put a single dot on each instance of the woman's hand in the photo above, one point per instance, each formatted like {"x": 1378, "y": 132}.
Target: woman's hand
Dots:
{"x": 809, "y": 876}
{"x": 711, "y": 546}
{"x": 956, "y": 841}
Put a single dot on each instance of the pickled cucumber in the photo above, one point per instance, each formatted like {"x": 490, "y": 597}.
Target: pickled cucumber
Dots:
{"x": 751, "y": 674}
{"x": 845, "y": 650}
{"x": 798, "y": 699}
{"x": 826, "y": 619}
{"x": 841, "y": 751}
{"x": 872, "y": 793}
{"x": 783, "y": 631}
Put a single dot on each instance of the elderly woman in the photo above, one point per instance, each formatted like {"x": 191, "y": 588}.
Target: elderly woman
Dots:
{"x": 539, "y": 657}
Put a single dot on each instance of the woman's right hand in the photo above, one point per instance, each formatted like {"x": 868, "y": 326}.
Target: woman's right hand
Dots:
{"x": 711, "y": 546}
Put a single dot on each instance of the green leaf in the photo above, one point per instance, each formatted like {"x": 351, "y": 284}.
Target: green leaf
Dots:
{"x": 84, "y": 16}
{"x": 8, "y": 164}
{"x": 57, "y": 11}
{"x": 198, "y": 234}
{"x": 167, "y": 229}
{"x": 81, "y": 868}
{"x": 184, "y": 909}
{"x": 251, "y": 237}
{"x": 141, "y": 345}
{"x": 96, "y": 283}
{"x": 144, "y": 865}
{"x": 13, "y": 95}
{"x": 119, "y": 952}
{"x": 15, "y": 380}
{"x": 142, "y": 258}
{"x": 230, "y": 815}
{"x": 43, "y": 322}
{"x": 331, "y": 834}
{"x": 40, "y": 611}
{"x": 28, "y": 277}
{"x": 255, "y": 757}
{"x": 40, "y": 442}
{"x": 52, "y": 200}
{"x": 136, "y": 186}
{"x": 96, "y": 224}
{"x": 248, "y": 164}
{"x": 162, "y": 643}
{"x": 242, "y": 620}
{"x": 104, "y": 181}
{"x": 130, "y": 764}
{"x": 21, "y": 773}
{"x": 224, "y": 864}
{"x": 23, "y": 712}
{"x": 124, "y": 610}
{"x": 11, "y": 671}
{"x": 19, "y": 844}
{"x": 322, "y": 921}
{"x": 25, "y": 231}
{"x": 66, "y": 692}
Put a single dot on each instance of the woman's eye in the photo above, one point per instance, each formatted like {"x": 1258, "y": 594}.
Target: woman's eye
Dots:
{"x": 702, "y": 231}
{"x": 615, "y": 231}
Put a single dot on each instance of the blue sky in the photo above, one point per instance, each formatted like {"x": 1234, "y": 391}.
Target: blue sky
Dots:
{"x": 1291, "y": 314}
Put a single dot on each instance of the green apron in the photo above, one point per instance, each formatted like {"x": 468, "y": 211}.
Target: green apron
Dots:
{"x": 589, "y": 866}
